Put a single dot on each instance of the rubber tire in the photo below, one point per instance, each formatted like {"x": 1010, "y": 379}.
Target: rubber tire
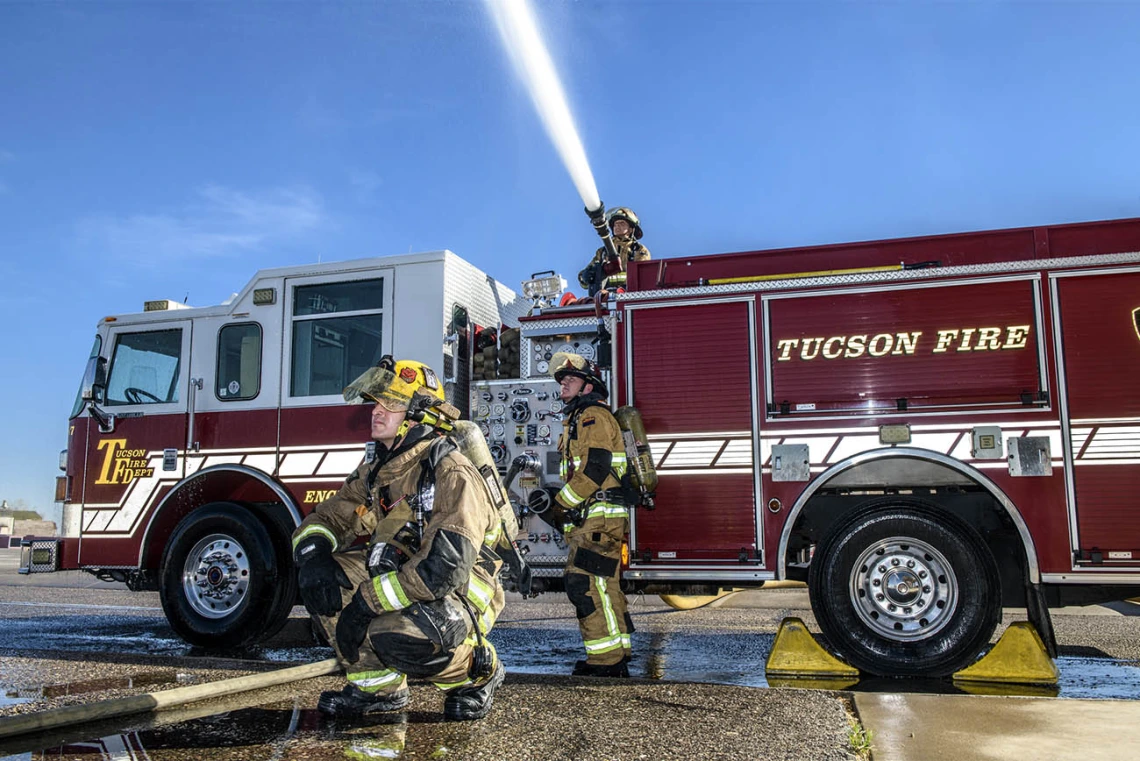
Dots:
{"x": 272, "y": 584}
{"x": 969, "y": 627}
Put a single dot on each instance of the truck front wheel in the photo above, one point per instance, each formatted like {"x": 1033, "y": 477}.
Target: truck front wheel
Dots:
{"x": 902, "y": 589}
{"x": 225, "y": 580}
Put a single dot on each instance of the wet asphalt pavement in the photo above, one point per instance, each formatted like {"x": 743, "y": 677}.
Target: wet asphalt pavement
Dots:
{"x": 693, "y": 696}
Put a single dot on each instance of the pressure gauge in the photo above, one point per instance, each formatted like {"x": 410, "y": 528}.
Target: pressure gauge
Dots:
{"x": 485, "y": 429}
{"x": 549, "y": 347}
{"x": 565, "y": 348}
{"x": 556, "y": 406}
{"x": 587, "y": 350}
{"x": 542, "y": 366}
{"x": 498, "y": 430}
{"x": 498, "y": 409}
{"x": 543, "y": 431}
{"x": 482, "y": 411}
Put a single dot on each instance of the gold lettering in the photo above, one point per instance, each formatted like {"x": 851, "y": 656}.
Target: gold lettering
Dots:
{"x": 123, "y": 473}
{"x": 806, "y": 351}
{"x": 989, "y": 339}
{"x": 828, "y": 352}
{"x": 856, "y": 345}
{"x": 110, "y": 445}
{"x": 315, "y": 496}
{"x": 967, "y": 334}
{"x": 785, "y": 346}
{"x": 887, "y": 341}
{"x": 906, "y": 343}
{"x": 944, "y": 339}
{"x": 1016, "y": 336}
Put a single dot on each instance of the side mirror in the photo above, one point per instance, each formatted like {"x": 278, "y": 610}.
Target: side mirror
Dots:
{"x": 94, "y": 380}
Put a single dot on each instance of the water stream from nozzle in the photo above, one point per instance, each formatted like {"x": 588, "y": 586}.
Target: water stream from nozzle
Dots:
{"x": 532, "y": 63}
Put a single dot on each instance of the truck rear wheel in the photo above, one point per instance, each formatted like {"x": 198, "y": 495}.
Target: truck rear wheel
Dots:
{"x": 901, "y": 589}
{"x": 226, "y": 579}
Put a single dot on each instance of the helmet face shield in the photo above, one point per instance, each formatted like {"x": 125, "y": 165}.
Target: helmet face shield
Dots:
{"x": 379, "y": 385}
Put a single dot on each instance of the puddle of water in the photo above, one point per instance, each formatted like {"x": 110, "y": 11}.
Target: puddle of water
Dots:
{"x": 739, "y": 659}
{"x": 279, "y": 730}
{"x": 1101, "y": 678}
{"x": 145, "y": 679}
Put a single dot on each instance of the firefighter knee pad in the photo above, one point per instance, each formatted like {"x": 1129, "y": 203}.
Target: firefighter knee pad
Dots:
{"x": 595, "y": 563}
{"x": 415, "y": 656}
{"x": 422, "y": 639}
{"x": 577, "y": 589}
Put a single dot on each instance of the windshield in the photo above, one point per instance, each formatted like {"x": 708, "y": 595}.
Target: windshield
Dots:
{"x": 78, "y": 406}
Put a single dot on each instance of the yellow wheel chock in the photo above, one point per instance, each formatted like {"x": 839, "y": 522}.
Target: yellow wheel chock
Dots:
{"x": 1019, "y": 657}
{"x": 795, "y": 653}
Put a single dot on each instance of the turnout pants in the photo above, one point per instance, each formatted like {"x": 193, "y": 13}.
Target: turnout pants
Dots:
{"x": 593, "y": 584}
{"x": 433, "y": 640}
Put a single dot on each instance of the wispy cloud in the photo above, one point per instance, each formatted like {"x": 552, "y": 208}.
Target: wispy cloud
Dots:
{"x": 218, "y": 222}
{"x": 365, "y": 182}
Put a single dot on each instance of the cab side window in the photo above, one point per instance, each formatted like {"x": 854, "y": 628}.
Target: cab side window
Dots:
{"x": 337, "y": 329}
{"x": 145, "y": 368}
{"x": 239, "y": 362}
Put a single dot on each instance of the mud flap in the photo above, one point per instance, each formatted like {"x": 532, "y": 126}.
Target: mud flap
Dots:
{"x": 1038, "y": 613}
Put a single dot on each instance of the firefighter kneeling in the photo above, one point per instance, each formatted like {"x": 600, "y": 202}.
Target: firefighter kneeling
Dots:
{"x": 591, "y": 513}
{"x": 421, "y": 599}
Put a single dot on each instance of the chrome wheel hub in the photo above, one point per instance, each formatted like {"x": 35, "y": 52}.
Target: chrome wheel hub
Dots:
{"x": 903, "y": 589}
{"x": 215, "y": 576}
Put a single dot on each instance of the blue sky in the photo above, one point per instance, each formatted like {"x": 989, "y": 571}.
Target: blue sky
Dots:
{"x": 171, "y": 149}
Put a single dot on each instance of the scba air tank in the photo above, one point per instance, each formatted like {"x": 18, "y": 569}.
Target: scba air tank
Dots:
{"x": 471, "y": 442}
{"x": 637, "y": 449}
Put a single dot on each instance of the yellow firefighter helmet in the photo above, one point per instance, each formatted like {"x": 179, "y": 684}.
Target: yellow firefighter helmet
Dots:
{"x": 564, "y": 363}
{"x": 404, "y": 386}
{"x": 622, "y": 212}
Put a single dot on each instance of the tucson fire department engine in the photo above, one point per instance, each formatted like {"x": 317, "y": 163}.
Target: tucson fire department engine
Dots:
{"x": 925, "y": 430}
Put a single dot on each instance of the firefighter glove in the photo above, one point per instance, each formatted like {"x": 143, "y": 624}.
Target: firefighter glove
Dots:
{"x": 319, "y": 576}
{"x": 352, "y": 626}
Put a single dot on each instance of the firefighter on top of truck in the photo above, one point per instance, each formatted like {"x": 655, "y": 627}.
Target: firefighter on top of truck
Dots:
{"x": 591, "y": 513}
{"x": 604, "y": 273}
{"x": 421, "y": 599}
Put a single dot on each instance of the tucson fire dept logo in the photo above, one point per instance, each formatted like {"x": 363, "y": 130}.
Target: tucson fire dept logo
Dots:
{"x": 122, "y": 465}
{"x": 883, "y": 344}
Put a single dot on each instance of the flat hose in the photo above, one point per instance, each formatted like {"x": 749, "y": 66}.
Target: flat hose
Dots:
{"x": 53, "y": 718}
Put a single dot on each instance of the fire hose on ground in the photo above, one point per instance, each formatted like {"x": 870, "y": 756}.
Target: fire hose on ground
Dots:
{"x": 53, "y": 718}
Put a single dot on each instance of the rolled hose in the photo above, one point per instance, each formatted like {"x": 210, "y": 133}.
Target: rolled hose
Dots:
{"x": 11, "y": 726}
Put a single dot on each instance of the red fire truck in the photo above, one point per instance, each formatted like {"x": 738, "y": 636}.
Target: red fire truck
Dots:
{"x": 925, "y": 430}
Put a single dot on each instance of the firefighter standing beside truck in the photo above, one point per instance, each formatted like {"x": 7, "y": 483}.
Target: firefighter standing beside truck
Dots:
{"x": 603, "y": 272}
{"x": 420, "y": 600}
{"x": 591, "y": 513}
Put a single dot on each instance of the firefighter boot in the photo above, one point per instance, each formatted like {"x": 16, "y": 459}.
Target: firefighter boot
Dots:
{"x": 473, "y": 702}
{"x": 353, "y": 701}
{"x": 618, "y": 670}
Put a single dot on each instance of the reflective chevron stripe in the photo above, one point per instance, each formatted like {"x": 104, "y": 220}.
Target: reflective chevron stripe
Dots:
{"x": 389, "y": 592}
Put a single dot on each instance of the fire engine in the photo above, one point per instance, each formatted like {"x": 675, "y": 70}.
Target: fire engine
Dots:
{"x": 924, "y": 430}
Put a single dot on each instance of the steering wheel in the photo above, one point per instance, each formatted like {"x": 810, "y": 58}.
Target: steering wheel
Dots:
{"x": 138, "y": 396}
